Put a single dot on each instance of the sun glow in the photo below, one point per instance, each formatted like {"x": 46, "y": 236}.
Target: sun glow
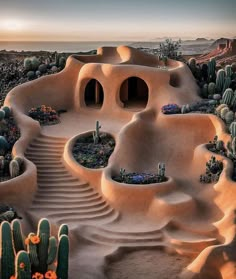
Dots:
{"x": 12, "y": 25}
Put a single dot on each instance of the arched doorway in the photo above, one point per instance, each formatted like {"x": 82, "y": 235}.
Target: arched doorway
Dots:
{"x": 134, "y": 93}
{"x": 93, "y": 94}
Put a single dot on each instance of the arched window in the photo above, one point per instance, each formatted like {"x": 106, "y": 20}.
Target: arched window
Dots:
{"x": 94, "y": 94}
{"x": 134, "y": 93}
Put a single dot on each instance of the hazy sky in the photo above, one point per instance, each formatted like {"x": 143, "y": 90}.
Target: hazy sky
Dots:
{"x": 115, "y": 19}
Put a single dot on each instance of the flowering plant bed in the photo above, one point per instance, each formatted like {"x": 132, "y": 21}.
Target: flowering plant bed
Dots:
{"x": 45, "y": 115}
{"x": 91, "y": 154}
{"x": 139, "y": 178}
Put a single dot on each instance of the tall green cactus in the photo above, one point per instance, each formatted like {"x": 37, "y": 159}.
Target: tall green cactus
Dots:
{"x": 7, "y": 253}
{"x": 63, "y": 230}
{"x": 23, "y": 266}
{"x": 63, "y": 257}
{"x": 220, "y": 78}
{"x": 44, "y": 234}
{"x": 228, "y": 97}
{"x": 212, "y": 69}
{"x": 17, "y": 235}
{"x": 232, "y": 129}
{"x": 228, "y": 71}
{"x": 227, "y": 83}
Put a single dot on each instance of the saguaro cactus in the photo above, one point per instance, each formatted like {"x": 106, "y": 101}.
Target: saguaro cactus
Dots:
{"x": 220, "y": 78}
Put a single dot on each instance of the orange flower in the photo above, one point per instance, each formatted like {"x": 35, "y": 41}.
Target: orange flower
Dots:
{"x": 27, "y": 241}
{"x": 51, "y": 275}
{"x": 37, "y": 275}
{"x": 22, "y": 265}
{"x": 34, "y": 239}
{"x": 13, "y": 277}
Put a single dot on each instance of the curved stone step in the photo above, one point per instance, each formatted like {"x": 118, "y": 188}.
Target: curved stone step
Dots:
{"x": 101, "y": 236}
{"x": 74, "y": 217}
{"x": 57, "y": 179}
{"x": 66, "y": 193}
{"x": 73, "y": 207}
{"x": 47, "y": 145}
{"x": 76, "y": 184}
{"x": 44, "y": 149}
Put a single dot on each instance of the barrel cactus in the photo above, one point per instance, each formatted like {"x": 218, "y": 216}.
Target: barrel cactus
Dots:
{"x": 232, "y": 129}
{"x": 228, "y": 97}
{"x": 211, "y": 88}
{"x": 42, "y": 68}
{"x": 219, "y": 108}
{"x": 27, "y": 64}
{"x": 2, "y": 114}
{"x": 35, "y": 63}
{"x": 229, "y": 117}
{"x": 223, "y": 112}
{"x": 31, "y": 75}
{"x": 220, "y": 79}
{"x": 7, "y": 111}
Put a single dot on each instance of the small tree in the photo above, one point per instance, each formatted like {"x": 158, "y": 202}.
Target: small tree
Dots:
{"x": 170, "y": 49}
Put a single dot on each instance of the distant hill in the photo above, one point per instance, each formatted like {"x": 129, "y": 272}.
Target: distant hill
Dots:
{"x": 201, "y": 39}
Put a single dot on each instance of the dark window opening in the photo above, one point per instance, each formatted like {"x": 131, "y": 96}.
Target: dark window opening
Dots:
{"x": 94, "y": 94}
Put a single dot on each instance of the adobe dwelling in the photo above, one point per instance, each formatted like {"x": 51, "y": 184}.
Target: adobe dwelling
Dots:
{"x": 124, "y": 89}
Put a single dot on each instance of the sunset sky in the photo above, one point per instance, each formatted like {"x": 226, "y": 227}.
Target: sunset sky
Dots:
{"x": 92, "y": 20}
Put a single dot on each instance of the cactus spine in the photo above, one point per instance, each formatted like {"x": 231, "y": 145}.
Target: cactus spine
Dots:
{"x": 228, "y": 97}
{"x": 7, "y": 254}
{"x": 63, "y": 256}
{"x": 23, "y": 273}
{"x": 220, "y": 78}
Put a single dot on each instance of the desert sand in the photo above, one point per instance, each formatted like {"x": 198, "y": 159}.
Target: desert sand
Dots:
{"x": 180, "y": 217}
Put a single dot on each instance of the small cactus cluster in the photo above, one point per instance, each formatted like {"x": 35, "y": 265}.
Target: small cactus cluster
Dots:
{"x": 37, "y": 254}
{"x": 225, "y": 113}
{"x": 217, "y": 146}
{"x": 35, "y": 67}
{"x": 213, "y": 170}
{"x": 142, "y": 178}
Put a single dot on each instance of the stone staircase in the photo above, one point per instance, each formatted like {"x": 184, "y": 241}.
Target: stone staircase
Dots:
{"x": 60, "y": 196}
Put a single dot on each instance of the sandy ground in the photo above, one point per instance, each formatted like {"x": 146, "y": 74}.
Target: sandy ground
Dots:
{"x": 148, "y": 264}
